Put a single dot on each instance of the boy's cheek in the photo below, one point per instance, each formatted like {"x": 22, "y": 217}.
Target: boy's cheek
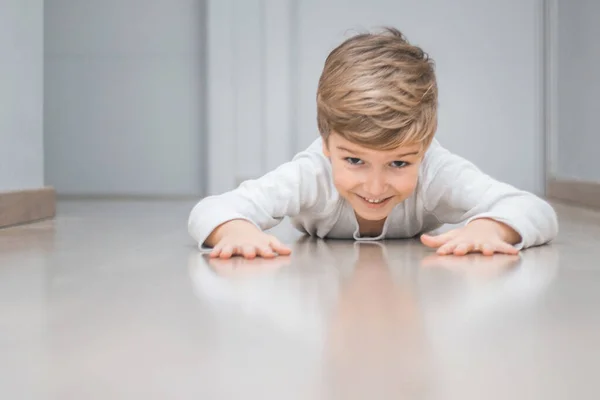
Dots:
{"x": 410, "y": 184}
{"x": 345, "y": 180}
{"x": 406, "y": 185}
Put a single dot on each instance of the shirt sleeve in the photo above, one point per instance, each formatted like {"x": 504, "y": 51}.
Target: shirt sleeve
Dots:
{"x": 297, "y": 186}
{"x": 456, "y": 191}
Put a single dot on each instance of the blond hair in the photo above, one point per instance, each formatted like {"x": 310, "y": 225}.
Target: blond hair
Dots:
{"x": 379, "y": 91}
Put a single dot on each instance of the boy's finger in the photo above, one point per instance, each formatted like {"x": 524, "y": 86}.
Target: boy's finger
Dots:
{"x": 249, "y": 251}
{"x": 431, "y": 241}
{"x": 226, "y": 251}
{"x": 266, "y": 252}
{"x": 216, "y": 250}
{"x": 487, "y": 249}
{"x": 439, "y": 240}
{"x": 448, "y": 248}
{"x": 280, "y": 247}
{"x": 506, "y": 248}
{"x": 463, "y": 248}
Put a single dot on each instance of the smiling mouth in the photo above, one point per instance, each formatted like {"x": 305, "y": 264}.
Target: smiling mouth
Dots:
{"x": 374, "y": 203}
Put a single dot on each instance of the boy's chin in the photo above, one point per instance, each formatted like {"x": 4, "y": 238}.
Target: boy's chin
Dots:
{"x": 371, "y": 216}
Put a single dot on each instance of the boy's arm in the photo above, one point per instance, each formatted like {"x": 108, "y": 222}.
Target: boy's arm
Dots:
{"x": 286, "y": 191}
{"x": 456, "y": 191}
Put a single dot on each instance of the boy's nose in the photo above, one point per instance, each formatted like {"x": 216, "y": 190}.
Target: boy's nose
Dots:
{"x": 375, "y": 186}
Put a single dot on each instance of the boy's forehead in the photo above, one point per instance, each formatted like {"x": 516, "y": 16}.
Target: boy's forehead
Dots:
{"x": 342, "y": 143}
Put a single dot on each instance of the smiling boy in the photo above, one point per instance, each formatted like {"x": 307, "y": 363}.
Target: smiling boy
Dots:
{"x": 376, "y": 171}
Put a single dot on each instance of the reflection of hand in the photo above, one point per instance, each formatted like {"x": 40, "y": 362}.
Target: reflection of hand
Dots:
{"x": 475, "y": 265}
{"x": 293, "y": 300}
{"x": 243, "y": 267}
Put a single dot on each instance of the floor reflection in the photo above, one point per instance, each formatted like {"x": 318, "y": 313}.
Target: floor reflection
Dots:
{"x": 376, "y": 346}
{"x": 369, "y": 319}
{"x": 484, "y": 323}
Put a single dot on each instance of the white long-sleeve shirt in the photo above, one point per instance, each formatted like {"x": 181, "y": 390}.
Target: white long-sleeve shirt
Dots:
{"x": 450, "y": 190}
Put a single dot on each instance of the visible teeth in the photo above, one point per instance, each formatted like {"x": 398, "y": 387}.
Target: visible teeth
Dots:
{"x": 374, "y": 201}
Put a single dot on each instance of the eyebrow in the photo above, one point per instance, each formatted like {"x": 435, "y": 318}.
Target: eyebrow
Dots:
{"x": 342, "y": 148}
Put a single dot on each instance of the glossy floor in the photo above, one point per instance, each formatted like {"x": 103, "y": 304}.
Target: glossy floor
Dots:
{"x": 112, "y": 300}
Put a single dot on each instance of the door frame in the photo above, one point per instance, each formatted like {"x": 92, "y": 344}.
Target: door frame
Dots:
{"x": 549, "y": 69}
{"x": 557, "y": 188}
{"x": 232, "y": 113}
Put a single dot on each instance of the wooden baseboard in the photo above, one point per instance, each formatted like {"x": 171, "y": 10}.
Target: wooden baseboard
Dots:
{"x": 582, "y": 193}
{"x": 26, "y": 206}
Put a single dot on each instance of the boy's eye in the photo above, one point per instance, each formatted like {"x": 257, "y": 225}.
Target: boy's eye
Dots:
{"x": 354, "y": 160}
{"x": 399, "y": 164}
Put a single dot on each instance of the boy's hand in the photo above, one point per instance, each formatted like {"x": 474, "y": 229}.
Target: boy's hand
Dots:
{"x": 483, "y": 235}
{"x": 241, "y": 238}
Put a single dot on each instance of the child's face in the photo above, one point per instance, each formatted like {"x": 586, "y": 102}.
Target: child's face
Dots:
{"x": 373, "y": 181}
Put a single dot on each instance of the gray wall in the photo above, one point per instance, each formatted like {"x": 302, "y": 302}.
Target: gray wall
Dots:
{"x": 578, "y": 136}
{"x": 21, "y": 94}
{"x": 124, "y": 96}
